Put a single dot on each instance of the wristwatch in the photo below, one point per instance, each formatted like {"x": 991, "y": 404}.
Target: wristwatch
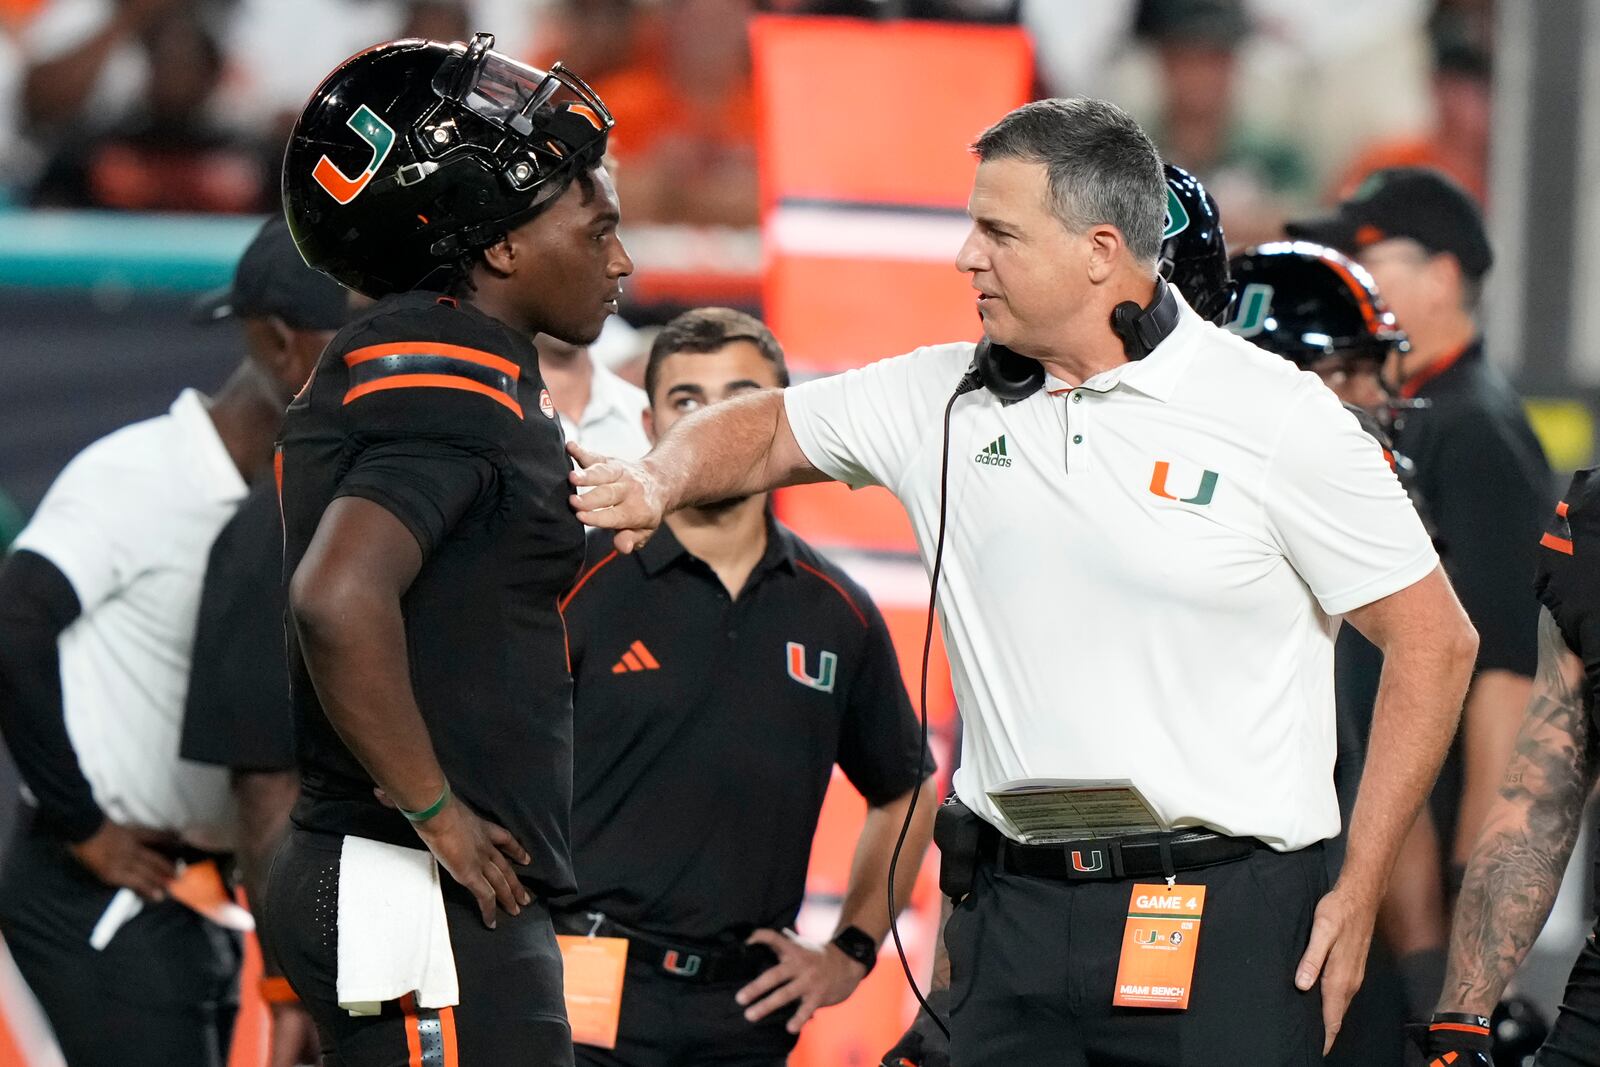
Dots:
{"x": 858, "y": 945}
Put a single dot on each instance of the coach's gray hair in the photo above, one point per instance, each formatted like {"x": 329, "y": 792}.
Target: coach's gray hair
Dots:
{"x": 1103, "y": 168}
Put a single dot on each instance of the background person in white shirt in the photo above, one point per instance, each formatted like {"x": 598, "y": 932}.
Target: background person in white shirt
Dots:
{"x": 597, "y": 409}
{"x": 97, "y": 621}
{"x": 1149, "y": 589}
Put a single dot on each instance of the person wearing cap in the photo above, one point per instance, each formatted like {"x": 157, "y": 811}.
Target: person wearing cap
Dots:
{"x": 1480, "y": 470}
{"x": 98, "y": 606}
{"x": 237, "y": 714}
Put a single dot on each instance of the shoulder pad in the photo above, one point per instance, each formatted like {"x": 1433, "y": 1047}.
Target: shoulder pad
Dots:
{"x": 420, "y": 343}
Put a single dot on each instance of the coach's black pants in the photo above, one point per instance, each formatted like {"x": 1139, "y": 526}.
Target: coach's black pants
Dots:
{"x": 667, "y": 1022}
{"x": 512, "y": 1013}
{"x": 1034, "y": 964}
{"x": 164, "y": 991}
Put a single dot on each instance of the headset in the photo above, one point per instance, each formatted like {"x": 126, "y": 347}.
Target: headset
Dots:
{"x": 1011, "y": 378}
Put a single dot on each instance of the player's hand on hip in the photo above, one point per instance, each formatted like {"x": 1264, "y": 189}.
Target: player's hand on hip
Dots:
{"x": 126, "y": 856}
{"x": 815, "y": 975}
{"x": 618, "y": 495}
{"x": 1341, "y": 933}
{"x": 478, "y": 855}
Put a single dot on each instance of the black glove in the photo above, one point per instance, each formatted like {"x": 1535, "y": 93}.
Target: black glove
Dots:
{"x": 924, "y": 1044}
{"x": 1454, "y": 1039}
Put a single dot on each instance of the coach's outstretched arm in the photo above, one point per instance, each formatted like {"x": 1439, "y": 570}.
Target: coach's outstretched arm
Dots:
{"x": 733, "y": 449}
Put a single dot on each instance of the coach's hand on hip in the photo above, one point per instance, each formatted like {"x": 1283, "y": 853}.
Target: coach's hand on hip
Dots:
{"x": 622, "y": 495}
{"x": 815, "y": 975}
{"x": 1341, "y": 933}
{"x": 122, "y": 856}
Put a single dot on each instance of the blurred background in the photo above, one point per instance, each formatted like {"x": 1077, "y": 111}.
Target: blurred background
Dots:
{"x": 800, "y": 159}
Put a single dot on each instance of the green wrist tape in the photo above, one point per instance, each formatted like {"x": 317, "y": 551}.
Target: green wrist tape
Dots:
{"x": 431, "y": 810}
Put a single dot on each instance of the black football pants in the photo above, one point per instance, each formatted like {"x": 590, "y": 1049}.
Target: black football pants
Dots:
{"x": 1034, "y": 965}
{"x": 511, "y": 1014}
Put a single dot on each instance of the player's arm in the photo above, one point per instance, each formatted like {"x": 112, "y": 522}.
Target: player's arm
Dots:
{"x": 1527, "y": 836}
{"x": 345, "y": 598}
{"x": 733, "y": 449}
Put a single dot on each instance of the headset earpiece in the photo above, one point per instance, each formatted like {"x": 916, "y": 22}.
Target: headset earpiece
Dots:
{"x": 1142, "y": 328}
{"x": 1005, "y": 374}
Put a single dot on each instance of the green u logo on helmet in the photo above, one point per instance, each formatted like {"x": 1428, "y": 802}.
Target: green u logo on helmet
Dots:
{"x": 378, "y": 135}
{"x": 1177, "y": 216}
{"x": 1255, "y": 304}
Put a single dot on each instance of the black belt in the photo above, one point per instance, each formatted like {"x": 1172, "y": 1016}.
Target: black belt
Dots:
{"x": 686, "y": 963}
{"x": 1116, "y": 858}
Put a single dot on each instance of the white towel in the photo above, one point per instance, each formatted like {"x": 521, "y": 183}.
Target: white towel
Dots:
{"x": 393, "y": 936}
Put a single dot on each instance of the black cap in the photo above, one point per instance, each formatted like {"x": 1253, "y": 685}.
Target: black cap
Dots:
{"x": 1199, "y": 22}
{"x": 272, "y": 279}
{"x": 1412, "y": 202}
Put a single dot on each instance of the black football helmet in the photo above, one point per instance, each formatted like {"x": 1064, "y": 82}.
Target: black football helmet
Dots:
{"x": 414, "y": 153}
{"x": 1306, "y": 302}
{"x": 1194, "y": 253}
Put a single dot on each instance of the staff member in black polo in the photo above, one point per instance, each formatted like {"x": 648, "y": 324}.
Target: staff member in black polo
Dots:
{"x": 237, "y": 713}
{"x": 720, "y": 675}
{"x": 1480, "y": 469}
{"x": 97, "y": 634}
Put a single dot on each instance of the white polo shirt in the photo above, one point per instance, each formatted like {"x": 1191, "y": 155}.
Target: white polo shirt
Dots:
{"x": 1142, "y": 576}
{"x": 612, "y": 421}
{"x": 130, "y": 522}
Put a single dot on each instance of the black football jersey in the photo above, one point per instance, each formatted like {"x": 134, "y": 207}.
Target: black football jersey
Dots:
{"x": 437, "y": 413}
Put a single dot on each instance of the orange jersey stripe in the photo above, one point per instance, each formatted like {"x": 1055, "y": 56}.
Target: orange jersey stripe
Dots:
{"x": 433, "y": 381}
{"x": 1466, "y": 1028}
{"x": 1561, "y": 509}
{"x": 433, "y": 348}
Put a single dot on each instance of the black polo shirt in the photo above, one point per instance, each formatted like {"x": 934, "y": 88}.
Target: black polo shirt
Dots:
{"x": 707, "y": 728}
{"x": 1488, "y": 489}
{"x": 237, "y": 713}
{"x": 438, "y": 414}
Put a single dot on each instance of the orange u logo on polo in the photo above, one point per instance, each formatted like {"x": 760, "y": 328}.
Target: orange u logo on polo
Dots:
{"x": 1202, "y": 496}
{"x": 827, "y": 668}
{"x": 378, "y": 135}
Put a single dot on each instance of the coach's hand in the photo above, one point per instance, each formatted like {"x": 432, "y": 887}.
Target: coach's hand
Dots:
{"x": 622, "y": 496}
{"x": 815, "y": 975}
{"x": 478, "y": 854}
{"x": 1341, "y": 933}
{"x": 123, "y": 856}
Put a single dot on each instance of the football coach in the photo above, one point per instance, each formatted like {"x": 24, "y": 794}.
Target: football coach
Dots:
{"x": 1154, "y": 531}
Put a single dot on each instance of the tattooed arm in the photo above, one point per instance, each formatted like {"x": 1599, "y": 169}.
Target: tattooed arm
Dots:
{"x": 1527, "y": 837}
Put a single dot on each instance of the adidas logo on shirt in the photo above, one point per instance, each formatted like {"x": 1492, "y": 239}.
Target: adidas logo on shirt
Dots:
{"x": 637, "y": 658}
{"x": 994, "y": 454}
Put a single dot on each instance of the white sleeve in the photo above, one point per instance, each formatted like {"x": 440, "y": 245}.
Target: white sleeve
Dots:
{"x": 1337, "y": 509}
{"x": 80, "y": 528}
{"x": 62, "y": 25}
{"x": 863, "y": 426}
